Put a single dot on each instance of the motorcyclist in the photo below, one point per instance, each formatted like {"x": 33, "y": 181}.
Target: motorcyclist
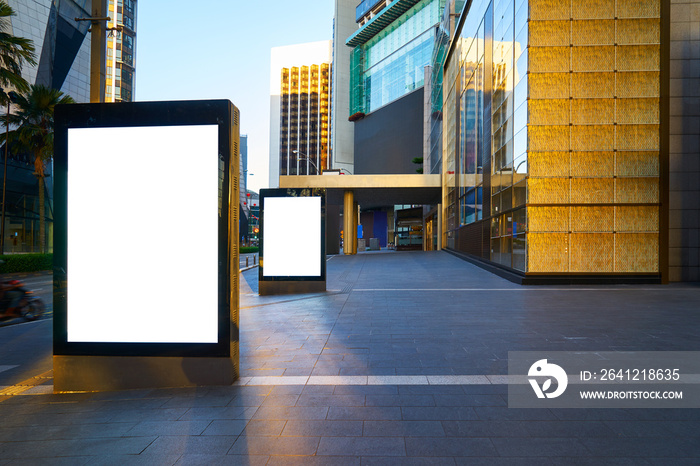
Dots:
{"x": 10, "y": 296}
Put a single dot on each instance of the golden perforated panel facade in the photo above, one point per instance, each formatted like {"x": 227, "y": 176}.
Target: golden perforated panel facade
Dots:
{"x": 593, "y": 183}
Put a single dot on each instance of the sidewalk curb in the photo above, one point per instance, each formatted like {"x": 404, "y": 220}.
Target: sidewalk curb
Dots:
{"x": 247, "y": 268}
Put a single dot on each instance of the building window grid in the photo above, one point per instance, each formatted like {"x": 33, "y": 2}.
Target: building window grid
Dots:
{"x": 629, "y": 135}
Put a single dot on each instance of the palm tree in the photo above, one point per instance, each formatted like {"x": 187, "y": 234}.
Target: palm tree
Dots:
{"x": 34, "y": 125}
{"x": 14, "y": 52}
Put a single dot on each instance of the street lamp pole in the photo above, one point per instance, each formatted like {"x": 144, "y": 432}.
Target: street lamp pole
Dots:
{"x": 306, "y": 157}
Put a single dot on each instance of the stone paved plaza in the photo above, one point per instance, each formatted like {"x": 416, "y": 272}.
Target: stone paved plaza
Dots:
{"x": 402, "y": 361}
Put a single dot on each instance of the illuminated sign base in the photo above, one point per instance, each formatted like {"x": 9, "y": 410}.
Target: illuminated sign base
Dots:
{"x": 107, "y": 373}
{"x": 145, "y": 245}
{"x": 293, "y": 241}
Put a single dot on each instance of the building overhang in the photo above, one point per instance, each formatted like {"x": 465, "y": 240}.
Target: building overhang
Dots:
{"x": 387, "y": 16}
{"x": 372, "y": 191}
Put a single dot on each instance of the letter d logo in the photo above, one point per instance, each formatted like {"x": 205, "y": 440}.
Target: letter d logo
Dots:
{"x": 543, "y": 369}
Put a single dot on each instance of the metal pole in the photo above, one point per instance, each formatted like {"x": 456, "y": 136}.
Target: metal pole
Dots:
{"x": 4, "y": 180}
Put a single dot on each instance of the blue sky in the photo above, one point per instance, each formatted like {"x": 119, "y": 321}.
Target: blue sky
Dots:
{"x": 220, "y": 49}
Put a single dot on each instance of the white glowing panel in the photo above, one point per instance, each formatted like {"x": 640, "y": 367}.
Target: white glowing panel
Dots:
{"x": 292, "y": 237}
{"x": 143, "y": 234}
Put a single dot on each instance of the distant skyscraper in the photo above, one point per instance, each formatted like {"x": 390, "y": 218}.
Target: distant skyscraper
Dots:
{"x": 62, "y": 44}
{"x": 121, "y": 51}
{"x": 299, "y": 109}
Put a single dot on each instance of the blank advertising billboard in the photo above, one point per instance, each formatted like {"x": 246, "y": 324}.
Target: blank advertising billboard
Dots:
{"x": 292, "y": 236}
{"x": 142, "y": 234}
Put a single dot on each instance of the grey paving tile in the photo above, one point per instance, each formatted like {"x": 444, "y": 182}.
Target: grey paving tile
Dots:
{"x": 400, "y": 400}
{"x": 225, "y": 427}
{"x": 470, "y": 400}
{"x": 264, "y": 427}
{"x": 509, "y": 429}
{"x": 190, "y": 445}
{"x": 431, "y": 390}
{"x": 247, "y": 445}
{"x": 512, "y": 414}
{"x": 576, "y": 461}
{"x": 316, "y": 428}
{"x": 403, "y": 429}
{"x": 210, "y": 413}
{"x": 41, "y": 433}
{"x": 73, "y": 447}
{"x": 294, "y": 412}
{"x": 314, "y": 461}
{"x": 438, "y": 413}
{"x": 408, "y": 461}
{"x": 196, "y": 402}
{"x": 643, "y": 447}
{"x": 206, "y": 460}
{"x": 188, "y": 427}
{"x": 63, "y": 461}
{"x": 540, "y": 447}
{"x": 494, "y": 461}
{"x": 440, "y": 446}
{"x": 136, "y": 460}
{"x": 171, "y": 414}
{"x": 654, "y": 428}
{"x": 331, "y": 400}
{"x": 247, "y": 401}
{"x": 366, "y": 390}
{"x": 280, "y": 400}
{"x": 363, "y": 446}
{"x": 287, "y": 390}
{"x": 364, "y": 413}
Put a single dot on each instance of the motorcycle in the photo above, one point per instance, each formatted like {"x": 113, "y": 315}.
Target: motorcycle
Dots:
{"x": 28, "y": 306}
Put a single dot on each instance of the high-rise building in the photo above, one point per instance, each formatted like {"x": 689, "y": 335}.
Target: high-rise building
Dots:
{"x": 342, "y": 129}
{"x": 121, "y": 51}
{"x": 300, "y": 108}
{"x": 62, "y": 44}
{"x": 567, "y": 139}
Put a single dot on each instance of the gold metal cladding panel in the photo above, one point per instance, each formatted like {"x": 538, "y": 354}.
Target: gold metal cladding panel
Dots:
{"x": 592, "y": 111}
{"x": 550, "y": 33}
{"x": 637, "y": 84}
{"x": 594, "y": 219}
{"x": 593, "y": 9}
{"x": 548, "y": 138}
{"x": 637, "y": 111}
{"x": 549, "y": 59}
{"x": 548, "y": 164}
{"x": 638, "y": 31}
{"x": 592, "y": 190}
{"x": 592, "y": 164}
{"x": 598, "y": 85}
{"x": 600, "y": 32}
{"x": 638, "y": 57}
{"x": 637, "y": 164}
{"x": 551, "y": 85}
{"x": 591, "y": 138}
{"x": 637, "y": 137}
{"x": 637, "y": 218}
{"x": 549, "y": 9}
{"x": 592, "y": 252}
{"x": 638, "y": 9}
{"x": 637, "y": 252}
{"x": 548, "y": 219}
{"x": 548, "y": 252}
{"x": 637, "y": 190}
{"x": 593, "y": 58}
{"x": 548, "y": 190}
{"x": 549, "y": 112}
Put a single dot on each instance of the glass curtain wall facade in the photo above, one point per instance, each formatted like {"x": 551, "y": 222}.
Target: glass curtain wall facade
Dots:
{"x": 121, "y": 51}
{"x": 391, "y": 63}
{"x": 554, "y": 136}
{"x": 304, "y": 119}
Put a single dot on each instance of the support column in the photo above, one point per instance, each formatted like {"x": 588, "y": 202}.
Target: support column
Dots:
{"x": 349, "y": 223}
{"x": 356, "y": 219}
{"x": 440, "y": 228}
